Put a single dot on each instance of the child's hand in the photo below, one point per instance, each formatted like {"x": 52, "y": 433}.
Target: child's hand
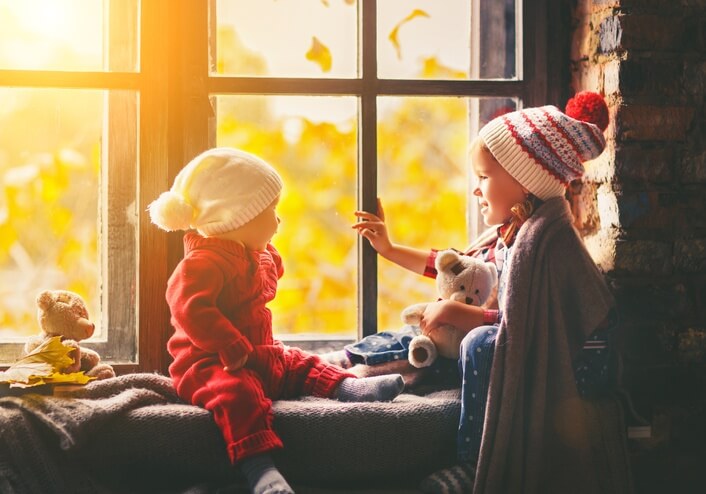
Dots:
{"x": 372, "y": 227}
{"x": 237, "y": 365}
{"x": 442, "y": 312}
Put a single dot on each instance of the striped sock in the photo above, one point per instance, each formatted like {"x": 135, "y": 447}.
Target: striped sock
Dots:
{"x": 453, "y": 480}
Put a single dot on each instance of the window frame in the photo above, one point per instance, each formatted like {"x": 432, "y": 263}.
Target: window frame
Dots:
{"x": 176, "y": 121}
{"x": 122, "y": 89}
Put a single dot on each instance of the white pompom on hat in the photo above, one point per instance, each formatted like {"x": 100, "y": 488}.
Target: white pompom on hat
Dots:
{"x": 218, "y": 191}
{"x": 544, "y": 148}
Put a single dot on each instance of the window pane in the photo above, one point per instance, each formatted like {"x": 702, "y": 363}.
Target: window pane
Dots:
{"x": 425, "y": 184}
{"x": 497, "y": 31}
{"x": 67, "y": 35}
{"x": 424, "y": 39}
{"x": 312, "y": 142}
{"x": 54, "y": 155}
{"x": 453, "y": 39}
{"x": 296, "y": 38}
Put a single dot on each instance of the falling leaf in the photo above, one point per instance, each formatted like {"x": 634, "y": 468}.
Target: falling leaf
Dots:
{"x": 393, "y": 36}
{"x": 319, "y": 53}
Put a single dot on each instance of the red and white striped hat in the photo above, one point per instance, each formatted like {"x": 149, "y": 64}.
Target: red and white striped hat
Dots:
{"x": 544, "y": 148}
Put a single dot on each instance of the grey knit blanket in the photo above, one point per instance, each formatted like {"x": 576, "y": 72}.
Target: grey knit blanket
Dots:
{"x": 132, "y": 434}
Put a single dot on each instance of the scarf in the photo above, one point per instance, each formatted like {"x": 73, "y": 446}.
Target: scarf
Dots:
{"x": 535, "y": 436}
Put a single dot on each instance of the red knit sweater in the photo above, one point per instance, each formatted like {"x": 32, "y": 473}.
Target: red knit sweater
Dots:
{"x": 217, "y": 296}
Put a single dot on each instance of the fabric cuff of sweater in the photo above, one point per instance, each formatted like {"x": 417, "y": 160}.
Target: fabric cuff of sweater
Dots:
{"x": 430, "y": 266}
{"x": 235, "y": 352}
{"x": 491, "y": 316}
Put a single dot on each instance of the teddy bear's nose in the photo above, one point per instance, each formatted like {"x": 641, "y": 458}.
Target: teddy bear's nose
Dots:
{"x": 469, "y": 300}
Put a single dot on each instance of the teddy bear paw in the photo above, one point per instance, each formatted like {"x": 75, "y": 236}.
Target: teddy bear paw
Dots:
{"x": 102, "y": 371}
{"x": 422, "y": 351}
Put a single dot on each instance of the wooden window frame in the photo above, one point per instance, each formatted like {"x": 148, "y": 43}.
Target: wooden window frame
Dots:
{"x": 176, "y": 121}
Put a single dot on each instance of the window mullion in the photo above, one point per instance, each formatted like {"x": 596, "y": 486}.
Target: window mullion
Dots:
{"x": 156, "y": 36}
{"x": 367, "y": 166}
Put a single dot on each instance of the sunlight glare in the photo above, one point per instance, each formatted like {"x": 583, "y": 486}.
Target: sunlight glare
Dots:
{"x": 40, "y": 34}
{"x": 42, "y": 17}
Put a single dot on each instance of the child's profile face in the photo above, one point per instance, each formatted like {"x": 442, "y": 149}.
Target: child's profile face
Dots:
{"x": 256, "y": 233}
{"x": 260, "y": 230}
{"x": 497, "y": 191}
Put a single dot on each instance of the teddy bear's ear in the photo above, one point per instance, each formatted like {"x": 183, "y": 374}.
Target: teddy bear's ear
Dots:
{"x": 446, "y": 258}
{"x": 45, "y": 299}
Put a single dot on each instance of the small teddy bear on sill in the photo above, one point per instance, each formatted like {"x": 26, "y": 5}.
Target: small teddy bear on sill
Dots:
{"x": 462, "y": 278}
{"x": 63, "y": 313}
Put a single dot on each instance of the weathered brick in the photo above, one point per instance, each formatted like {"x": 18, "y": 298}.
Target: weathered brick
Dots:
{"x": 581, "y": 39}
{"x": 586, "y": 76}
{"x": 652, "y": 32}
{"x": 643, "y": 209}
{"x": 601, "y": 246}
{"x": 649, "y": 5}
{"x": 611, "y": 77}
{"x": 695, "y": 81}
{"x": 645, "y": 162}
{"x": 650, "y": 80}
{"x": 643, "y": 257}
{"x": 650, "y": 343}
{"x": 690, "y": 255}
{"x": 694, "y": 168}
{"x": 583, "y": 207}
{"x": 689, "y": 205}
{"x": 636, "y": 299}
{"x": 602, "y": 168}
{"x": 653, "y": 123}
{"x": 610, "y": 35}
{"x": 698, "y": 287}
{"x": 692, "y": 346}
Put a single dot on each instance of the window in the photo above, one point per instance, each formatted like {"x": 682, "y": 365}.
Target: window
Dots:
{"x": 351, "y": 101}
{"x": 68, "y": 165}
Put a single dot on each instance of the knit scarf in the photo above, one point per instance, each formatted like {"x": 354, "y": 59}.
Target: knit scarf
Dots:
{"x": 535, "y": 435}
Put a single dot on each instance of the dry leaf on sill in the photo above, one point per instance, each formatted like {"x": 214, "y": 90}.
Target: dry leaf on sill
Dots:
{"x": 42, "y": 366}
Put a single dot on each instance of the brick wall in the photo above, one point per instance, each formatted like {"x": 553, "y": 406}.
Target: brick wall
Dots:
{"x": 642, "y": 210}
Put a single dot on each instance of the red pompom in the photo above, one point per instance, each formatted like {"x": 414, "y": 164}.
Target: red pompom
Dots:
{"x": 588, "y": 107}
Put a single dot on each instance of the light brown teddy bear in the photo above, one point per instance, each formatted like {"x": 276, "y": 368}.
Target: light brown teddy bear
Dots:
{"x": 64, "y": 313}
{"x": 461, "y": 278}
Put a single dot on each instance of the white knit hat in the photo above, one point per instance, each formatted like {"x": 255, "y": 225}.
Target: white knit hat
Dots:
{"x": 544, "y": 148}
{"x": 218, "y": 191}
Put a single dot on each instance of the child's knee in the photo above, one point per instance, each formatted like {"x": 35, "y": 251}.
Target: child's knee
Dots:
{"x": 482, "y": 337}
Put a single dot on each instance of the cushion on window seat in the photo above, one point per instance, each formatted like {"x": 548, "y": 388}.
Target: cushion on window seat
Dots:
{"x": 131, "y": 434}
{"x": 326, "y": 442}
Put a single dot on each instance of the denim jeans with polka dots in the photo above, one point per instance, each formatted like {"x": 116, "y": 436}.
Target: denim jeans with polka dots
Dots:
{"x": 475, "y": 361}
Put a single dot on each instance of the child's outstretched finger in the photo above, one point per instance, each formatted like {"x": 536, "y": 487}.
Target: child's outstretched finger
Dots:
{"x": 365, "y": 216}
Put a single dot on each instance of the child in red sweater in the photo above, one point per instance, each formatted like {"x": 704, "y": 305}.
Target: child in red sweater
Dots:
{"x": 225, "y": 357}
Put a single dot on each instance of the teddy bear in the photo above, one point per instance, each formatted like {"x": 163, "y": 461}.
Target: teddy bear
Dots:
{"x": 462, "y": 278}
{"x": 64, "y": 313}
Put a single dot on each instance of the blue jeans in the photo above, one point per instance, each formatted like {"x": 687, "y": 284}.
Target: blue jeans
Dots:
{"x": 475, "y": 361}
